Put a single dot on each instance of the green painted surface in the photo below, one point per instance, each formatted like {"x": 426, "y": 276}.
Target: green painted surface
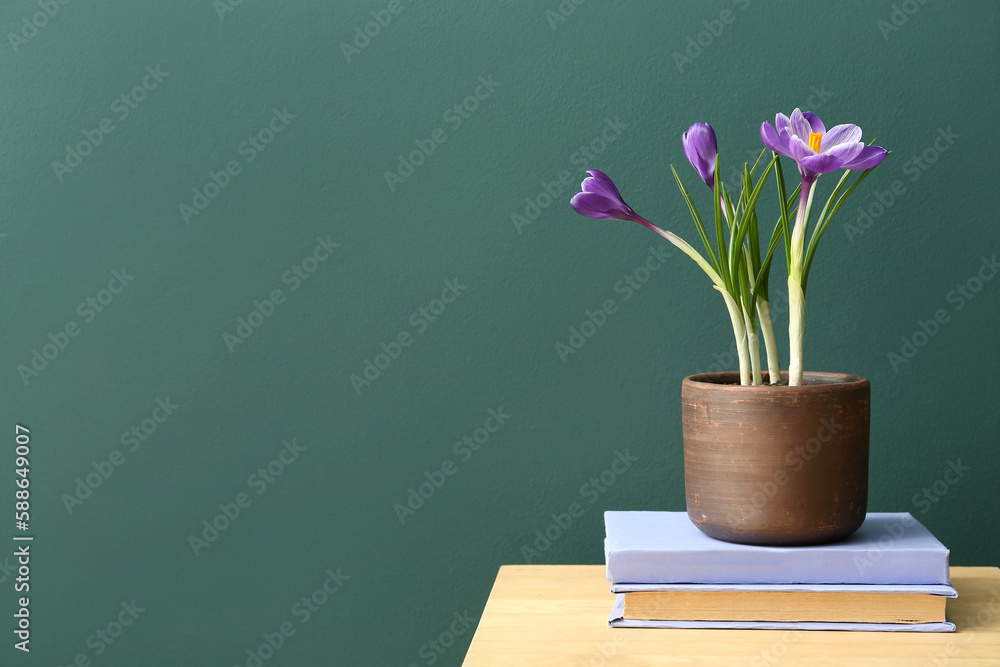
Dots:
{"x": 318, "y": 190}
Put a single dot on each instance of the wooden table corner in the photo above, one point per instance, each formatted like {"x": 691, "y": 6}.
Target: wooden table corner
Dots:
{"x": 555, "y": 615}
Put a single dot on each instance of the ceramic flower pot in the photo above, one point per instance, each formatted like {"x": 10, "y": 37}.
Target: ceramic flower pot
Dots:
{"x": 776, "y": 465}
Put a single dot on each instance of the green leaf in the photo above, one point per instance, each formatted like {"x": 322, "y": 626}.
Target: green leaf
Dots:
{"x": 734, "y": 227}
{"x": 753, "y": 238}
{"x": 829, "y": 202}
{"x": 759, "y": 158}
{"x": 686, "y": 248}
{"x": 825, "y": 221}
{"x": 744, "y": 259}
{"x": 760, "y": 288}
{"x": 730, "y": 211}
{"x": 747, "y": 299}
{"x": 753, "y": 234}
{"x": 751, "y": 202}
{"x": 719, "y": 234}
{"x": 760, "y": 285}
{"x": 784, "y": 204}
{"x": 697, "y": 221}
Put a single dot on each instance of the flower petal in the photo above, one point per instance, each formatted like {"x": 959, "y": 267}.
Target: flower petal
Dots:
{"x": 821, "y": 163}
{"x": 840, "y": 134}
{"x": 869, "y": 157}
{"x": 840, "y": 147}
{"x": 598, "y": 206}
{"x": 701, "y": 148}
{"x": 814, "y": 122}
{"x": 798, "y": 149}
{"x": 599, "y": 182}
{"x": 773, "y": 140}
{"x": 846, "y": 151}
{"x": 799, "y": 126}
{"x": 781, "y": 122}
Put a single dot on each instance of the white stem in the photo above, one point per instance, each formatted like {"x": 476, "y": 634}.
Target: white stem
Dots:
{"x": 799, "y": 228}
{"x": 796, "y": 325}
{"x": 753, "y": 348}
{"x": 686, "y": 248}
{"x": 770, "y": 343}
{"x": 796, "y": 296}
{"x": 739, "y": 330}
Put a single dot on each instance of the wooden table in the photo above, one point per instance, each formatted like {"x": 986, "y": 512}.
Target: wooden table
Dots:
{"x": 549, "y": 615}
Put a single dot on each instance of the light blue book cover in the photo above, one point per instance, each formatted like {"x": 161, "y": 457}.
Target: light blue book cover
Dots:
{"x": 666, "y": 548}
{"x": 943, "y": 590}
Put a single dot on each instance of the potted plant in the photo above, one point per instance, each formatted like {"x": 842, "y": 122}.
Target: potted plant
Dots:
{"x": 770, "y": 457}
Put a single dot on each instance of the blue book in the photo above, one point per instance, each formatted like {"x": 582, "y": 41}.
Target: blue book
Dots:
{"x": 666, "y": 548}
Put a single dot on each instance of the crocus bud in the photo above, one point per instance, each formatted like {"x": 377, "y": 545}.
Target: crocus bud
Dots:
{"x": 600, "y": 199}
{"x": 701, "y": 150}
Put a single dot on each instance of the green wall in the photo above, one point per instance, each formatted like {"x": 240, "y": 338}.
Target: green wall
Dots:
{"x": 555, "y": 87}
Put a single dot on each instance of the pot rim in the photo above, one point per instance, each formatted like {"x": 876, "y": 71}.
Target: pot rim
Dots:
{"x": 724, "y": 381}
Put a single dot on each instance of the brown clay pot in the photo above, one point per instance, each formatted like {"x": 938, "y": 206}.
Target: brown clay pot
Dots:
{"x": 776, "y": 465}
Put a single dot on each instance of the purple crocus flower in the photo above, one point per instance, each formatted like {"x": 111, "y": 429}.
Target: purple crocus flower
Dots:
{"x": 701, "y": 150}
{"x": 816, "y": 150}
{"x": 600, "y": 199}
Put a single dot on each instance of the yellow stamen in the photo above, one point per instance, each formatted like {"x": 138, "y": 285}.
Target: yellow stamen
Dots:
{"x": 814, "y": 140}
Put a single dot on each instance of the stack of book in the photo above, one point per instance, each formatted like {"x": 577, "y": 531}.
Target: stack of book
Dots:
{"x": 891, "y": 575}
